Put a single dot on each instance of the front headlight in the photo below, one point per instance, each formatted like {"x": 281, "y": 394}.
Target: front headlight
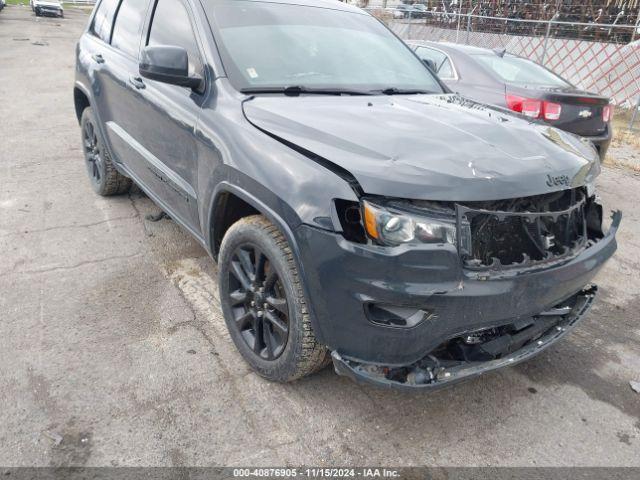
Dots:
{"x": 394, "y": 228}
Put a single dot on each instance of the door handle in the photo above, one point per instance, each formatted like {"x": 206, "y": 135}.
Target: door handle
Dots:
{"x": 136, "y": 82}
{"x": 98, "y": 58}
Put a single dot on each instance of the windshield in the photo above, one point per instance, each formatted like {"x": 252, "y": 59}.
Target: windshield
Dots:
{"x": 520, "y": 71}
{"x": 280, "y": 45}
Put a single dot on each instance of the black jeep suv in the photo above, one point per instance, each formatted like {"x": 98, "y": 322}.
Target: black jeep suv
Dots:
{"x": 358, "y": 211}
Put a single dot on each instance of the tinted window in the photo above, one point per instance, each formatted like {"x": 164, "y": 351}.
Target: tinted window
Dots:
{"x": 103, "y": 20}
{"x": 126, "y": 32}
{"x": 520, "y": 71}
{"x": 439, "y": 59}
{"x": 171, "y": 26}
{"x": 277, "y": 45}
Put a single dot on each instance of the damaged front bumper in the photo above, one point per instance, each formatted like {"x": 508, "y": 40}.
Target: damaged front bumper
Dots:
{"x": 432, "y": 373}
{"x": 360, "y": 291}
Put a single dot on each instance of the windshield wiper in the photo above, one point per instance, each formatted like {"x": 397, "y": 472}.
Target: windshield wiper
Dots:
{"x": 295, "y": 90}
{"x": 401, "y": 91}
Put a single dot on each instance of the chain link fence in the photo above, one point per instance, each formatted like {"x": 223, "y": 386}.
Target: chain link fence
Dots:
{"x": 598, "y": 57}
{"x": 634, "y": 115}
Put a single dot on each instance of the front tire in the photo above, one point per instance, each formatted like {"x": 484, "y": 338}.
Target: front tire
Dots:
{"x": 105, "y": 179}
{"x": 263, "y": 302}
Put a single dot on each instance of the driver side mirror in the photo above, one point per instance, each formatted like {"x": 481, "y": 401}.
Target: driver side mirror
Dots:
{"x": 431, "y": 65}
{"x": 168, "y": 64}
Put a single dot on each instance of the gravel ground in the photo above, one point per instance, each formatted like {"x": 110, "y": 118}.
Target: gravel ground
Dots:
{"x": 625, "y": 147}
{"x": 113, "y": 350}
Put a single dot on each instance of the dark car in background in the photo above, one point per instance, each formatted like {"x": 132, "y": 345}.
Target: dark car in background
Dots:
{"x": 499, "y": 78}
{"x": 420, "y": 11}
{"x": 409, "y": 11}
{"x": 358, "y": 211}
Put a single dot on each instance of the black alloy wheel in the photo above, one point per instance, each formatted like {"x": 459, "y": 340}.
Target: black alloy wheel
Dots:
{"x": 264, "y": 303}
{"x": 258, "y": 302}
{"x": 92, "y": 154}
{"x": 105, "y": 178}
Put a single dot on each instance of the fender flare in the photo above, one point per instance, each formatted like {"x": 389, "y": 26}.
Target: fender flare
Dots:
{"x": 85, "y": 90}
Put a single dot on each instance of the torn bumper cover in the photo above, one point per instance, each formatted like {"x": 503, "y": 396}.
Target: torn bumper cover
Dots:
{"x": 398, "y": 316}
{"x": 509, "y": 348}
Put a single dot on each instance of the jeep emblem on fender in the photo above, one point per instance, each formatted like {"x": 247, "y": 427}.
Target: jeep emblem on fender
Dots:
{"x": 558, "y": 180}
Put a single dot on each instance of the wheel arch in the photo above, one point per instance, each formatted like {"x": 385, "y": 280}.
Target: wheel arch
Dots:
{"x": 228, "y": 208}
{"x": 81, "y": 100}
{"x": 222, "y": 214}
{"x": 252, "y": 205}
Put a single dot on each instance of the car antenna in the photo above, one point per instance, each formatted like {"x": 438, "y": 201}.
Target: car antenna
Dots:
{"x": 500, "y": 51}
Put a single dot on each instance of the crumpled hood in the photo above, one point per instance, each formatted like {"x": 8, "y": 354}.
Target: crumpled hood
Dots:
{"x": 432, "y": 147}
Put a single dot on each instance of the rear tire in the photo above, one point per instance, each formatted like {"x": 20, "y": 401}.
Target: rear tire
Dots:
{"x": 254, "y": 249}
{"x": 105, "y": 179}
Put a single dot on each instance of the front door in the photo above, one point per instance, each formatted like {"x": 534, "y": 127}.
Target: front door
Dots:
{"x": 150, "y": 125}
{"x": 164, "y": 135}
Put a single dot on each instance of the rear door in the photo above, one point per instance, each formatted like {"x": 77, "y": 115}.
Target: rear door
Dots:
{"x": 103, "y": 58}
{"x": 119, "y": 24}
{"x": 150, "y": 125}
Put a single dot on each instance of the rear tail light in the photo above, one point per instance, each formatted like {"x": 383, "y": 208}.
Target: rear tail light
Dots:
{"x": 515, "y": 103}
{"x": 534, "y": 108}
{"x": 531, "y": 108}
{"x": 607, "y": 113}
{"x": 552, "y": 111}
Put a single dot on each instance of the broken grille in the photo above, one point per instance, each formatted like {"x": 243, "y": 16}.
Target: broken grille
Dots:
{"x": 523, "y": 232}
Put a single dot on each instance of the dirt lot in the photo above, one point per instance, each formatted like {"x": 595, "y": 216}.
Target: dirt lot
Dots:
{"x": 625, "y": 147}
{"x": 113, "y": 350}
